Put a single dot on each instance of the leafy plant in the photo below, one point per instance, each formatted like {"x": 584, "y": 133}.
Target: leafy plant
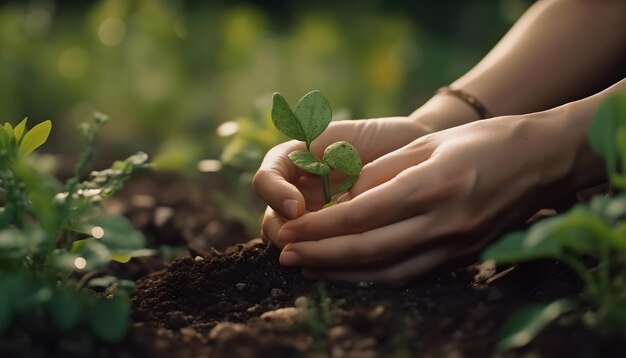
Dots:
{"x": 591, "y": 239}
{"x": 52, "y": 234}
{"x": 307, "y": 121}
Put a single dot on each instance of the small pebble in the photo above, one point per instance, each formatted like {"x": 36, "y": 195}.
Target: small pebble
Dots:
{"x": 199, "y": 258}
{"x": 240, "y": 286}
{"x": 162, "y": 214}
{"x": 301, "y": 303}
{"x": 277, "y": 293}
{"x": 287, "y": 315}
{"x": 224, "y": 329}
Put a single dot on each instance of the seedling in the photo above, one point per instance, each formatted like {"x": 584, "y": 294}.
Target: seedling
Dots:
{"x": 311, "y": 117}
{"x": 596, "y": 231}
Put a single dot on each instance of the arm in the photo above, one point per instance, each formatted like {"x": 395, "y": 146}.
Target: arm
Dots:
{"x": 558, "y": 51}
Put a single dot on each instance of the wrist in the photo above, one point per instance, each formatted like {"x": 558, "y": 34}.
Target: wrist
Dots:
{"x": 566, "y": 161}
{"x": 442, "y": 112}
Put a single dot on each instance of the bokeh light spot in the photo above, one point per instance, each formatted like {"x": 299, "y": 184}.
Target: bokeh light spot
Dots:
{"x": 80, "y": 263}
{"x": 209, "y": 165}
{"x": 227, "y": 128}
{"x": 112, "y": 31}
{"x": 97, "y": 232}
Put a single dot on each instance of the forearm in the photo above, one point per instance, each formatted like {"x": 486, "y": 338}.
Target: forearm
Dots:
{"x": 559, "y": 51}
{"x": 575, "y": 166}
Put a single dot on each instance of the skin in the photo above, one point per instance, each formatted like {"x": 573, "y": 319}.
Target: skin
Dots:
{"x": 445, "y": 185}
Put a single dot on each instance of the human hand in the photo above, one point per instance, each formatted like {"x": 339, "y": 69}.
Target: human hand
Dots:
{"x": 441, "y": 196}
{"x": 290, "y": 192}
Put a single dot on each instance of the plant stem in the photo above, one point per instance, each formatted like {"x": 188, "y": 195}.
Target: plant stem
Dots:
{"x": 326, "y": 188}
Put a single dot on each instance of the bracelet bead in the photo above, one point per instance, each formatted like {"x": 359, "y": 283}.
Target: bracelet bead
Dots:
{"x": 467, "y": 98}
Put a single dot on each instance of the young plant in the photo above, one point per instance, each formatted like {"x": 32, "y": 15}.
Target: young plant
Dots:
{"x": 53, "y": 234}
{"x": 307, "y": 121}
{"x": 596, "y": 231}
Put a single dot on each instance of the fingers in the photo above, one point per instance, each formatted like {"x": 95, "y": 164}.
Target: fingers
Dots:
{"x": 359, "y": 250}
{"x": 387, "y": 167}
{"x": 272, "y": 222}
{"x": 273, "y": 182}
{"x": 409, "y": 194}
{"x": 394, "y": 275}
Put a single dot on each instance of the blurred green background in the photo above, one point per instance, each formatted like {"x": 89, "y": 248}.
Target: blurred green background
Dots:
{"x": 169, "y": 73}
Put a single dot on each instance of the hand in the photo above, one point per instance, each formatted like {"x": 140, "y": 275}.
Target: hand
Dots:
{"x": 290, "y": 192}
{"x": 439, "y": 197}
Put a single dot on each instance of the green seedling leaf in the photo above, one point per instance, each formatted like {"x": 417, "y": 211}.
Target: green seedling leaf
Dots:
{"x": 329, "y": 204}
{"x": 579, "y": 231}
{"x": 602, "y": 133}
{"x": 314, "y": 113}
{"x": 286, "y": 121}
{"x": 18, "y": 132}
{"x": 308, "y": 162}
{"x": 65, "y": 310}
{"x": 519, "y": 246}
{"x": 35, "y": 137}
{"x": 109, "y": 319}
{"x": 523, "y": 326}
{"x": 343, "y": 157}
{"x": 345, "y": 185}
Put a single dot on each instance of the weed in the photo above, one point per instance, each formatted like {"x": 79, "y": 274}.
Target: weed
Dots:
{"x": 52, "y": 234}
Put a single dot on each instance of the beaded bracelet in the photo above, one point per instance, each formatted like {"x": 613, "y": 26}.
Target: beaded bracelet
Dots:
{"x": 467, "y": 98}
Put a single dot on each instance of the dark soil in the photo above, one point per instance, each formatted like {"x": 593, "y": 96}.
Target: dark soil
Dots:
{"x": 229, "y": 305}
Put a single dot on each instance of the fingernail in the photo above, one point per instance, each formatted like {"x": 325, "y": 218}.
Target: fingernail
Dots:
{"x": 345, "y": 197}
{"x": 289, "y": 258}
{"x": 290, "y": 207}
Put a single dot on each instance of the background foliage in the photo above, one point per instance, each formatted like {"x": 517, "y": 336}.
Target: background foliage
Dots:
{"x": 171, "y": 71}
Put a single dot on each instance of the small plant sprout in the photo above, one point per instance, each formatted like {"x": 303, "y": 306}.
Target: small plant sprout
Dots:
{"x": 307, "y": 121}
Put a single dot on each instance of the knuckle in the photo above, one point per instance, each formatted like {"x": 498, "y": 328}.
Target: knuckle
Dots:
{"x": 259, "y": 180}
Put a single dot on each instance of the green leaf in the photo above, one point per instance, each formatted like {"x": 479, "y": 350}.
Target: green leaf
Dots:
{"x": 118, "y": 233}
{"x": 35, "y": 137}
{"x": 579, "y": 230}
{"x": 308, "y": 162}
{"x": 65, "y": 310}
{"x": 94, "y": 252}
{"x": 345, "y": 185}
{"x": 603, "y": 132}
{"x": 519, "y": 246}
{"x": 8, "y": 128}
{"x": 286, "y": 121}
{"x": 314, "y": 113}
{"x": 18, "y": 132}
{"x": 524, "y": 325}
{"x": 109, "y": 319}
{"x": 343, "y": 157}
